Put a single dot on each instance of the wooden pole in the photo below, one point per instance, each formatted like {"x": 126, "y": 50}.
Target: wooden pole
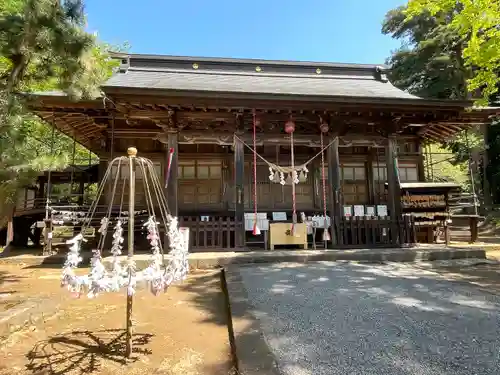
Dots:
{"x": 132, "y": 153}
{"x": 335, "y": 181}
{"x": 239, "y": 183}
{"x": 171, "y": 192}
{"x": 393, "y": 188}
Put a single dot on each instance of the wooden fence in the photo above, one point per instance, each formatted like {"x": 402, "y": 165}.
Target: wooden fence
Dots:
{"x": 363, "y": 232}
{"x": 214, "y": 233}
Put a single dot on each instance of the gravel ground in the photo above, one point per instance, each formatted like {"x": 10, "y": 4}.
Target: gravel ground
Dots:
{"x": 347, "y": 318}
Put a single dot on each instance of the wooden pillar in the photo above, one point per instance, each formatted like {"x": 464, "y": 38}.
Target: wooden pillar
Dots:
{"x": 41, "y": 188}
{"x": 474, "y": 234}
{"x": 421, "y": 162}
{"x": 10, "y": 231}
{"x": 393, "y": 189}
{"x": 334, "y": 191}
{"x": 239, "y": 193}
{"x": 369, "y": 176}
{"x": 103, "y": 165}
{"x": 172, "y": 189}
{"x": 81, "y": 189}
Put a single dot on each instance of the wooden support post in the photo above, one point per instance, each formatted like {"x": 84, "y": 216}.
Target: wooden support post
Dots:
{"x": 81, "y": 190}
{"x": 47, "y": 249}
{"x": 132, "y": 153}
{"x": 394, "y": 189}
{"x": 172, "y": 190}
{"x": 239, "y": 193}
{"x": 334, "y": 191}
{"x": 421, "y": 161}
{"x": 369, "y": 176}
{"x": 10, "y": 231}
{"x": 103, "y": 166}
{"x": 473, "y": 221}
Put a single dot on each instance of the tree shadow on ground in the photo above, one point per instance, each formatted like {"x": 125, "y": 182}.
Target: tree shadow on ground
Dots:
{"x": 438, "y": 298}
{"x": 203, "y": 296}
{"x": 8, "y": 278}
{"x": 6, "y": 290}
{"x": 84, "y": 351}
{"x": 380, "y": 311}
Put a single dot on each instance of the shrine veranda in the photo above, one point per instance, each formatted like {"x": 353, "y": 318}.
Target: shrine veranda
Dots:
{"x": 219, "y": 134}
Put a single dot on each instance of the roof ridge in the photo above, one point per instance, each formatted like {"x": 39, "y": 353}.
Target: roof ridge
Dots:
{"x": 303, "y": 63}
{"x": 254, "y": 74}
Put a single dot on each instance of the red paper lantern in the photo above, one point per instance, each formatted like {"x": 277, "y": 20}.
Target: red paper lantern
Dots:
{"x": 289, "y": 127}
{"x": 324, "y": 127}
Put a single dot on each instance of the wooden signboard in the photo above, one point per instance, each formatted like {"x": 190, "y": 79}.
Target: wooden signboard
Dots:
{"x": 423, "y": 201}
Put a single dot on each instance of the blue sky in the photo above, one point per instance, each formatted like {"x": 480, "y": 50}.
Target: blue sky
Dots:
{"x": 314, "y": 30}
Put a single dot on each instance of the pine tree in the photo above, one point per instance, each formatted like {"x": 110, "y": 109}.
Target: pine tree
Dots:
{"x": 43, "y": 46}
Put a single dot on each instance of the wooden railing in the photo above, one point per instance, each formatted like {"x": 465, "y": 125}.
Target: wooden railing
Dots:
{"x": 216, "y": 233}
{"x": 363, "y": 232}
{"x": 29, "y": 204}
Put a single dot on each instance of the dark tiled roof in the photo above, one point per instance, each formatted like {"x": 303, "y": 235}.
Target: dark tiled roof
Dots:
{"x": 255, "y": 77}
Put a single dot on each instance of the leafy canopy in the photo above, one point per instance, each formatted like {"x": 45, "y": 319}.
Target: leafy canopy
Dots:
{"x": 429, "y": 62}
{"x": 43, "y": 46}
{"x": 478, "y": 22}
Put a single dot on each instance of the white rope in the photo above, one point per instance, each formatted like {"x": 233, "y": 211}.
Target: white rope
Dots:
{"x": 287, "y": 169}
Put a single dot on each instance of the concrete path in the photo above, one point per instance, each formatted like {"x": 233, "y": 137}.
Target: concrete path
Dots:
{"x": 350, "y": 318}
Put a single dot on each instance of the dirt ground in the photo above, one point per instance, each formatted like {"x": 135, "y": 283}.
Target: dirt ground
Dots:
{"x": 181, "y": 332}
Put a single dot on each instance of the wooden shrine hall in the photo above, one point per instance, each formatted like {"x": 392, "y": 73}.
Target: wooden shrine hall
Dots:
{"x": 267, "y": 153}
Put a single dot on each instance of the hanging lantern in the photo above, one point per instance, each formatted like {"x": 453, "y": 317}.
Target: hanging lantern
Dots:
{"x": 324, "y": 127}
{"x": 289, "y": 127}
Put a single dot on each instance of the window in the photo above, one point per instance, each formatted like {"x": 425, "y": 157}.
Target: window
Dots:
{"x": 407, "y": 172}
{"x": 379, "y": 172}
{"x": 200, "y": 183}
{"x": 354, "y": 189}
{"x": 200, "y": 169}
{"x": 353, "y": 172}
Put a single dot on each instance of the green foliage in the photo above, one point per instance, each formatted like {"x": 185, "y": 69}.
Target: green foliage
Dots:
{"x": 43, "y": 46}
{"x": 443, "y": 166}
{"x": 429, "y": 64}
{"x": 477, "y": 21}
{"x": 492, "y": 170}
{"x": 429, "y": 61}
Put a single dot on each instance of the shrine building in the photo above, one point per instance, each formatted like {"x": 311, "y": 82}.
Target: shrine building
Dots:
{"x": 286, "y": 140}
